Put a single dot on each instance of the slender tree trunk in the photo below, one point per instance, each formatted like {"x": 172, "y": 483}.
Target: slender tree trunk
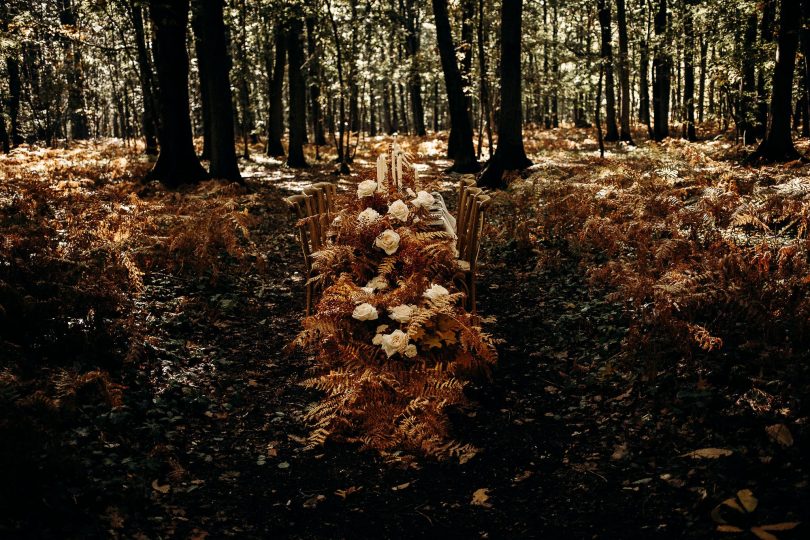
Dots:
{"x": 461, "y": 134}
{"x": 315, "y": 83}
{"x": 342, "y": 148}
{"x": 768, "y": 10}
{"x": 177, "y": 162}
{"x": 14, "y": 87}
{"x": 212, "y": 51}
{"x": 275, "y": 124}
{"x": 662, "y": 63}
{"x": 75, "y": 74}
{"x": 298, "y": 98}
{"x": 510, "y": 154}
{"x": 778, "y": 145}
{"x": 145, "y": 78}
{"x": 607, "y": 61}
{"x": 5, "y": 142}
{"x": 624, "y": 73}
{"x": 704, "y": 47}
{"x": 412, "y": 45}
{"x": 204, "y": 69}
{"x": 745, "y": 117}
{"x": 486, "y": 101}
{"x": 689, "y": 73}
{"x": 643, "y": 75}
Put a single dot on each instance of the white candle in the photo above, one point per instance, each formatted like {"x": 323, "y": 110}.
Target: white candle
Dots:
{"x": 415, "y": 177}
{"x": 382, "y": 170}
{"x": 399, "y": 170}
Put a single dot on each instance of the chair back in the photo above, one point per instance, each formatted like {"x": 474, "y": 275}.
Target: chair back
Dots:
{"x": 302, "y": 207}
{"x": 329, "y": 194}
{"x": 463, "y": 185}
{"x": 465, "y": 212}
{"x": 475, "y": 226}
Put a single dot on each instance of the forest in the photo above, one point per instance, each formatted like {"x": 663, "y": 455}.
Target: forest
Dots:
{"x": 404, "y": 269}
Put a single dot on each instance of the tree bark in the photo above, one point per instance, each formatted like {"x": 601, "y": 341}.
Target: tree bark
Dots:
{"x": 704, "y": 48}
{"x": 275, "y": 121}
{"x": 778, "y": 145}
{"x": 412, "y": 45}
{"x": 624, "y": 74}
{"x": 315, "y": 83}
{"x": 146, "y": 80}
{"x": 689, "y": 73}
{"x": 486, "y": 102}
{"x": 212, "y": 51}
{"x": 612, "y": 132}
{"x": 745, "y": 118}
{"x": 75, "y": 74}
{"x": 177, "y": 162}
{"x": 662, "y": 64}
{"x": 765, "y": 36}
{"x": 298, "y": 98}
{"x": 510, "y": 154}
{"x": 461, "y": 134}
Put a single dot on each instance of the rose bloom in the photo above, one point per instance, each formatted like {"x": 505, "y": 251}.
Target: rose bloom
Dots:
{"x": 367, "y": 290}
{"x": 399, "y": 210}
{"x": 423, "y": 199}
{"x": 378, "y": 282}
{"x": 395, "y": 342}
{"x": 369, "y": 215}
{"x": 365, "y": 312}
{"x": 366, "y": 188}
{"x": 377, "y": 340}
{"x": 401, "y": 314}
{"x": 410, "y": 350}
{"x": 435, "y": 291}
{"x": 388, "y": 241}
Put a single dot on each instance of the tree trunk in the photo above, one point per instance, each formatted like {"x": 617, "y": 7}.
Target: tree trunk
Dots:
{"x": 275, "y": 123}
{"x": 461, "y": 134}
{"x": 412, "y": 45}
{"x": 624, "y": 73}
{"x": 745, "y": 118}
{"x": 75, "y": 74}
{"x": 612, "y": 133}
{"x": 14, "y": 90}
{"x": 662, "y": 64}
{"x": 510, "y": 154}
{"x": 689, "y": 73}
{"x": 145, "y": 78}
{"x": 315, "y": 84}
{"x": 5, "y": 143}
{"x": 766, "y": 36}
{"x": 486, "y": 102}
{"x": 298, "y": 98}
{"x": 704, "y": 48}
{"x": 199, "y": 26}
{"x": 778, "y": 145}
{"x": 212, "y": 51}
{"x": 643, "y": 76}
{"x": 177, "y": 162}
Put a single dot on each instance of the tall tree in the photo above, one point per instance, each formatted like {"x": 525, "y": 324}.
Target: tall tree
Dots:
{"x": 643, "y": 70}
{"x": 275, "y": 121}
{"x": 778, "y": 144}
{"x": 612, "y": 133}
{"x": 412, "y": 44}
{"x": 510, "y": 154}
{"x": 624, "y": 73}
{"x": 315, "y": 83}
{"x": 745, "y": 118}
{"x": 177, "y": 162}
{"x": 212, "y": 51}
{"x": 298, "y": 96}
{"x": 145, "y": 78}
{"x": 689, "y": 72}
{"x": 662, "y": 64}
{"x": 75, "y": 73}
{"x": 460, "y": 143}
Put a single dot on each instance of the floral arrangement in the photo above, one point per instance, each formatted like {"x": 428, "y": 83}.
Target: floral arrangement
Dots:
{"x": 395, "y": 347}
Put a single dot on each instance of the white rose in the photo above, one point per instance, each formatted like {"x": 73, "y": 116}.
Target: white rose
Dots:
{"x": 399, "y": 210}
{"x": 382, "y": 328}
{"x": 378, "y": 283}
{"x": 377, "y": 340}
{"x": 410, "y": 192}
{"x": 365, "y": 312}
{"x": 435, "y": 291}
{"x": 366, "y": 188}
{"x": 395, "y": 342}
{"x": 388, "y": 241}
{"x": 369, "y": 215}
{"x": 367, "y": 290}
{"x": 401, "y": 314}
{"x": 410, "y": 350}
{"x": 423, "y": 199}
{"x": 337, "y": 221}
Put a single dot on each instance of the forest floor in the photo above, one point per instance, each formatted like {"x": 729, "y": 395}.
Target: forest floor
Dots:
{"x": 197, "y": 430}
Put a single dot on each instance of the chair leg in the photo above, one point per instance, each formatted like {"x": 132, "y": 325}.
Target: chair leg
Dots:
{"x": 309, "y": 298}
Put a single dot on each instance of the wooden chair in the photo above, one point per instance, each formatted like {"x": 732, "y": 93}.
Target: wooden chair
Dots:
{"x": 309, "y": 236}
{"x": 463, "y": 185}
{"x": 477, "y": 205}
{"x": 465, "y": 210}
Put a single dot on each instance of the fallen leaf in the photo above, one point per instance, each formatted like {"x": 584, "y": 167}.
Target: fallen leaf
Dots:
{"x": 401, "y": 486}
{"x": 620, "y": 452}
{"x": 296, "y": 438}
{"x": 481, "y": 498}
{"x": 283, "y": 465}
{"x": 762, "y": 534}
{"x": 729, "y": 529}
{"x": 343, "y": 493}
{"x": 708, "y": 453}
{"x": 747, "y": 499}
{"x": 161, "y": 489}
{"x": 786, "y": 526}
{"x": 779, "y": 433}
{"x": 312, "y": 502}
{"x": 522, "y": 476}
